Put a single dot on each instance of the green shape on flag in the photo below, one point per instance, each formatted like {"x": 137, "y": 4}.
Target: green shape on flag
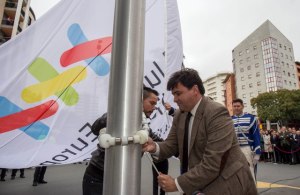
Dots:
{"x": 43, "y": 71}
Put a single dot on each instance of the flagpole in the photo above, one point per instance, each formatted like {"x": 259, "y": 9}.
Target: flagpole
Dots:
{"x": 122, "y": 172}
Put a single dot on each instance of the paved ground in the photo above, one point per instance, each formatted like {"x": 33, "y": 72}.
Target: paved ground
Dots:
{"x": 64, "y": 180}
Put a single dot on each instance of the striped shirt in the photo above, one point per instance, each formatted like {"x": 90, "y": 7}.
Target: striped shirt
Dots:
{"x": 247, "y": 131}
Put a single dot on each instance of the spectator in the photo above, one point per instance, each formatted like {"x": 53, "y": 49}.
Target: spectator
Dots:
{"x": 39, "y": 174}
{"x": 14, "y": 172}
{"x": 275, "y": 143}
{"x": 3, "y": 174}
{"x": 267, "y": 146}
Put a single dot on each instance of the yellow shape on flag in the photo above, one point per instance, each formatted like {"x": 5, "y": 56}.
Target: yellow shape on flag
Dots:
{"x": 40, "y": 91}
{"x": 270, "y": 185}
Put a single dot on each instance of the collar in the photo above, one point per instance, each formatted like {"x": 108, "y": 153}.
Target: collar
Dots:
{"x": 238, "y": 116}
{"x": 193, "y": 111}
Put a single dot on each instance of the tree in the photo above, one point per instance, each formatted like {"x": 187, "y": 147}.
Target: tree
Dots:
{"x": 282, "y": 105}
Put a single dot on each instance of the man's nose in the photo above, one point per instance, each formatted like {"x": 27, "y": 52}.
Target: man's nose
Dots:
{"x": 175, "y": 99}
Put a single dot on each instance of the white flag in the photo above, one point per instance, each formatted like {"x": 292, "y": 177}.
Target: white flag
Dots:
{"x": 54, "y": 79}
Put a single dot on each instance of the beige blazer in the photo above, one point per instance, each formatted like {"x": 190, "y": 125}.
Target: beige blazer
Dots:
{"x": 216, "y": 163}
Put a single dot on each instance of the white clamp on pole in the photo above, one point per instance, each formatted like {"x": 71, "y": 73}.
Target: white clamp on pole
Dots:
{"x": 140, "y": 137}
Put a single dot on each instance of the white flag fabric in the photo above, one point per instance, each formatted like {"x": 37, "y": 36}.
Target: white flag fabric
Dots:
{"x": 54, "y": 79}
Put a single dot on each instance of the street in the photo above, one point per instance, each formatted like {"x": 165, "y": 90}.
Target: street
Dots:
{"x": 67, "y": 180}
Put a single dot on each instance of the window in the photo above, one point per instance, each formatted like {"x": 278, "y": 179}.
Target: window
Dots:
{"x": 254, "y": 47}
{"x": 244, "y": 95}
{"x": 257, "y": 65}
{"x": 250, "y": 85}
{"x": 247, "y": 50}
{"x": 290, "y": 83}
{"x": 249, "y": 76}
{"x": 248, "y": 67}
{"x": 255, "y": 56}
{"x": 280, "y": 45}
{"x": 285, "y": 82}
{"x": 242, "y": 70}
{"x": 241, "y": 53}
{"x": 284, "y": 47}
{"x": 290, "y": 49}
{"x": 258, "y": 83}
{"x": 242, "y": 78}
{"x": 251, "y": 94}
{"x": 291, "y": 58}
{"x": 258, "y": 74}
{"x": 286, "y": 56}
{"x": 289, "y": 74}
{"x": 283, "y": 72}
{"x": 294, "y": 84}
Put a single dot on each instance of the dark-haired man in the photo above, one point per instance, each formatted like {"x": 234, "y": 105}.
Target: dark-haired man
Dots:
{"x": 202, "y": 133}
{"x": 247, "y": 131}
{"x": 93, "y": 177}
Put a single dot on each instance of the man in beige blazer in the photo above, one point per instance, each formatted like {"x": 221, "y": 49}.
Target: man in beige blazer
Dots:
{"x": 216, "y": 164}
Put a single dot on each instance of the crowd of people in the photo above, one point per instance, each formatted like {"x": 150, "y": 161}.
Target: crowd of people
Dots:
{"x": 280, "y": 146}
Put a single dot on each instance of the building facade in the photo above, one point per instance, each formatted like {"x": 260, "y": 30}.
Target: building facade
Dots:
{"x": 15, "y": 16}
{"x": 215, "y": 87}
{"x": 297, "y": 63}
{"x": 263, "y": 62}
{"x": 229, "y": 93}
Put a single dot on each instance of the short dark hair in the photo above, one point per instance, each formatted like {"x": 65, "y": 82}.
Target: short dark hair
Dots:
{"x": 187, "y": 77}
{"x": 147, "y": 91}
{"x": 238, "y": 100}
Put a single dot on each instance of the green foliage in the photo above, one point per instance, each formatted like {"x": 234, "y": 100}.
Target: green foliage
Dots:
{"x": 281, "y": 105}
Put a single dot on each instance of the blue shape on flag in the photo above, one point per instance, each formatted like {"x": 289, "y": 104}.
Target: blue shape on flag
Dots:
{"x": 98, "y": 64}
{"x": 36, "y": 130}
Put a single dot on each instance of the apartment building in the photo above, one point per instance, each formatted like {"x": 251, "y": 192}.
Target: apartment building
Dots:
{"x": 263, "y": 62}
{"x": 229, "y": 93}
{"x": 297, "y": 63}
{"x": 15, "y": 16}
{"x": 214, "y": 87}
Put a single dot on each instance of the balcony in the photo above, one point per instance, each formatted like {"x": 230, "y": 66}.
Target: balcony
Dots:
{"x": 7, "y": 26}
{"x": 11, "y": 8}
{"x": 10, "y": 4}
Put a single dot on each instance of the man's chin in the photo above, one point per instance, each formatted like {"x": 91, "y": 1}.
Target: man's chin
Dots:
{"x": 182, "y": 109}
{"x": 148, "y": 114}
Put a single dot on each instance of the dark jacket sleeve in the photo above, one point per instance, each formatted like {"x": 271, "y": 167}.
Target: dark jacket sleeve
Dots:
{"x": 99, "y": 124}
{"x": 172, "y": 111}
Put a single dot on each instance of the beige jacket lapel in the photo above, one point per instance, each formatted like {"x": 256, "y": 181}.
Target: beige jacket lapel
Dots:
{"x": 197, "y": 119}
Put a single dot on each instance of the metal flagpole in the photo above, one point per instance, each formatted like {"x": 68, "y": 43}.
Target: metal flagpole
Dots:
{"x": 122, "y": 171}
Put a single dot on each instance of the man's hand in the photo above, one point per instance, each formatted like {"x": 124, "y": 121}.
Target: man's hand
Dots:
{"x": 256, "y": 159}
{"x": 167, "y": 183}
{"x": 149, "y": 146}
{"x": 167, "y": 106}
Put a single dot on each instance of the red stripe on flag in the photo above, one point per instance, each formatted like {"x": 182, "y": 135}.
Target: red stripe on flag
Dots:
{"x": 28, "y": 116}
{"x": 86, "y": 50}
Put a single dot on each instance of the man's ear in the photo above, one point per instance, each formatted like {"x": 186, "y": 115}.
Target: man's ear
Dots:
{"x": 195, "y": 87}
